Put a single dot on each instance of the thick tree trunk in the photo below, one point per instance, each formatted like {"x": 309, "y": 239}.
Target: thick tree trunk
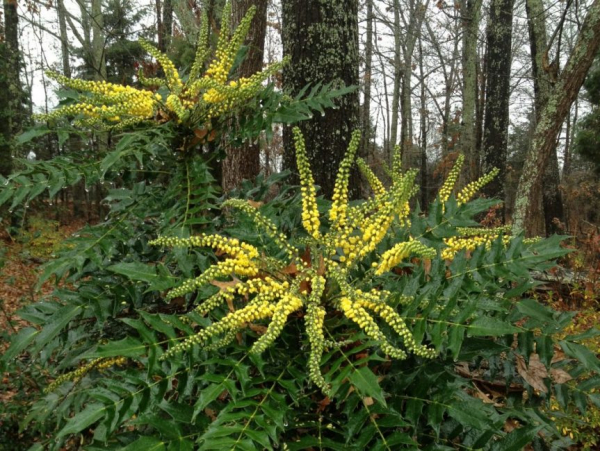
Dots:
{"x": 244, "y": 162}
{"x": 495, "y": 128}
{"x": 11, "y": 104}
{"x": 322, "y": 40}
{"x": 167, "y": 22}
{"x": 471, "y": 15}
{"x": 563, "y": 94}
{"x": 542, "y": 84}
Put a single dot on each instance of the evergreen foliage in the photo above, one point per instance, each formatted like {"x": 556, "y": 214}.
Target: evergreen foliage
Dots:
{"x": 400, "y": 309}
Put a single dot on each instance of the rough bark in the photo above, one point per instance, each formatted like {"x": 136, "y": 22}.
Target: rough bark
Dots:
{"x": 551, "y": 119}
{"x": 542, "y": 83}
{"x": 322, "y": 40}
{"x": 471, "y": 15}
{"x": 243, "y": 162}
{"x": 11, "y": 106}
{"x": 167, "y": 22}
{"x": 496, "y": 120}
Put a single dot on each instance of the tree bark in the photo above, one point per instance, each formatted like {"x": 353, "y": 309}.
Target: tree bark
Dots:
{"x": 99, "y": 60}
{"x": 366, "y": 108}
{"x": 244, "y": 162}
{"x": 12, "y": 96}
{"x": 64, "y": 38}
{"x": 471, "y": 15}
{"x": 561, "y": 98}
{"x": 322, "y": 40}
{"x": 542, "y": 84}
{"x": 495, "y": 128}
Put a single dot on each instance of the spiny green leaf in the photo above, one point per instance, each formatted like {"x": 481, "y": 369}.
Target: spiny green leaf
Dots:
{"x": 367, "y": 384}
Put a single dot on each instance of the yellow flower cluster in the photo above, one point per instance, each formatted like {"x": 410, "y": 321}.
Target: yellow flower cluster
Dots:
{"x": 173, "y": 80}
{"x": 202, "y": 98}
{"x": 310, "y": 212}
{"x": 337, "y": 212}
{"x": 99, "y": 364}
{"x": 467, "y": 193}
{"x": 402, "y": 250}
{"x": 109, "y": 102}
{"x": 375, "y": 184}
{"x": 448, "y": 186}
{"x": 457, "y": 244}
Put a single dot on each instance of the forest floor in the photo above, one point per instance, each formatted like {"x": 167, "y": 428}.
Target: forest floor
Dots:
{"x": 574, "y": 287}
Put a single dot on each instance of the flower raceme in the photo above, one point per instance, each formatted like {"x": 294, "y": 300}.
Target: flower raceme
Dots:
{"x": 203, "y": 97}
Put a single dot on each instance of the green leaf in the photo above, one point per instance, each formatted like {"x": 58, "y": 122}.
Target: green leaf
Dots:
{"x": 367, "y": 384}
{"x": 19, "y": 342}
{"x": 587, "y": 358}
{"x": 145, "y": 444}
{"x": 31, "y": 134}
{"x": 91, "y": 414}
{"x": 127, "y": 347}
{"x": 142, "y": 272}
{"x": 517, "y": 439}
{"x": 488, "y": 326}
{"x": 55, "y": 324}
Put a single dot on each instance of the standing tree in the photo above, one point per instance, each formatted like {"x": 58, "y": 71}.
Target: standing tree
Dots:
{"x": 243, "y": 162}
{"x": 11, "y": 90}
{"x": 543, "y": 80}
{"x": 552, "y": 116}
{"x": 321, "y": 38}
{"x": 495, "y": 127}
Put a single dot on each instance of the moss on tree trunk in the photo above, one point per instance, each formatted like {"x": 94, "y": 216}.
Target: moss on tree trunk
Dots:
{"x": 322, "y": 40}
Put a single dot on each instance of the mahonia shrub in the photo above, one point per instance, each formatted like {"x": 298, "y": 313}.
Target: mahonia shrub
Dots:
{"x": 338, "y": 325}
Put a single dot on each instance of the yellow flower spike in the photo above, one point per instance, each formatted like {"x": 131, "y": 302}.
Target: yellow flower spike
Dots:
{"x": 310, "y": 212}
{"x": 337, "y": 213}
{"x": 171, "y": 74}
{"x": 369, "y": 175}
{"x": 99, "y": 364}
{"x": 448, "y": 185}
{"x": 263, "y": 223}
{"x": 287, "y": 305}
{"x": 402, "y": 250}
{"x": 472, "y": 188}
{"x": 202, "y": 50}
{"x": 233, "y": 321}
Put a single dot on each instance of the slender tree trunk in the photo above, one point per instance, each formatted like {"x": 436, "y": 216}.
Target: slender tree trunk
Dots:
{"x": 471, "y": 15}
{"x": 64, "y": 37}
{"x": 322, "y": 40}
{"x": 244, "y": 162}
{"x": 167, "y": 22}
{"x": 495, "y": 128}
{"x": 366, "y": 108}
{"x": 98, "y": 42}
{"x": 561, "y": 98}
{"x": 423, "y": 124}
{"x": 398, "y": 77}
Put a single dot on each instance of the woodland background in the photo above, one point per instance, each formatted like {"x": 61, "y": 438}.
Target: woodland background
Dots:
{"x": 498, "y": 81}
